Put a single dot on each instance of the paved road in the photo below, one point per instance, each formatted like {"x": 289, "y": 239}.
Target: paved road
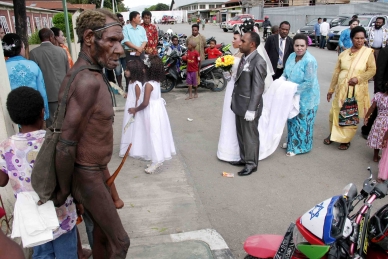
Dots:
{"x": 283, "y": 188}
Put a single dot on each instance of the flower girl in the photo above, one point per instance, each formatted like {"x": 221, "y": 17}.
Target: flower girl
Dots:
{"x": 155, "y": 141}
{"x": 135, "y": 72}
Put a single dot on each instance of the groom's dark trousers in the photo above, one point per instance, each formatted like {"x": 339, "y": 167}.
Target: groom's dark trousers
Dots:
{"x": 248, "y": 140}
{"x": 247, "y": 96}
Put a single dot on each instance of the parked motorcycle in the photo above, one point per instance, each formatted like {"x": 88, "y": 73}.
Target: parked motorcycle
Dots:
{"x": 328, "y": 230}
{"x": 182, "y": 38}
{"x": 163, "y": 44}
{"x": 267, "y": 32}
{"x": 210, "y": 76}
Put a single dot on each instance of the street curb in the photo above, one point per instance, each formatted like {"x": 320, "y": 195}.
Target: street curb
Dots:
{"x": 212, "y": 238}
{"x": 215, "y": 241}
{"x": 118, "y": 109}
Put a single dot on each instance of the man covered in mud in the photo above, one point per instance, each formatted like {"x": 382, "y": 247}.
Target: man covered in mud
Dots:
{"x": 86, "y": 143}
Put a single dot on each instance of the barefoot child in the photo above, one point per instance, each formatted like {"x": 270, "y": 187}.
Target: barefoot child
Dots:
{"x": 17, "y": 155}
{"x": 155, "y": 141}
{"x": 375, "y": 138}
{"x": 135, "y": 72}
{"x": 193, "y": 65}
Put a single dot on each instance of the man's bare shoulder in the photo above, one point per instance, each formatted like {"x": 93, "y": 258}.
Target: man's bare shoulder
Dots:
{"x": 86, "y": 82}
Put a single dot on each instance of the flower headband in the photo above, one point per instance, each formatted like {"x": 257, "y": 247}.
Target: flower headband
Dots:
{"x": 147, "y": 62}
{"x": 9, "y": 47}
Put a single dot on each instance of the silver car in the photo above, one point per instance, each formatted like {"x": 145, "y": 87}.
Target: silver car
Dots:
{"x": 366, "y": 21}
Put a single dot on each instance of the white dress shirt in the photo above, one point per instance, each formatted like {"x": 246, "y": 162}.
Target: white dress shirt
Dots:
{"x": 324, "y": 27}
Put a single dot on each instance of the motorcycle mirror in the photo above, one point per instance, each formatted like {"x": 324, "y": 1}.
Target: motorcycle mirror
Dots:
{"x": 168, "y": 51}
{"x": 370, "y": 172}
{"x": 350, "y": 191}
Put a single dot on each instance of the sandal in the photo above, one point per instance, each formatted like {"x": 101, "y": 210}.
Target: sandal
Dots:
{"x": 344, "y": 146}
{"x": 327, "y": 141}
{"x": 290, "y": 154}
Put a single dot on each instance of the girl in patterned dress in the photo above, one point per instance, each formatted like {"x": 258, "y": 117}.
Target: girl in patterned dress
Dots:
{"x": 17, "y": 156}
{"x": 375, "y": 138}
{"x": 383, "y": 165}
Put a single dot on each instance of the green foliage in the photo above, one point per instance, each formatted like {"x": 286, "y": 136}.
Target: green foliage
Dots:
{"x": 59, "y": 22}
{"x": 34, "y": 38}
{"x": 158, "y": 7}
{"x": 122, "y": 8}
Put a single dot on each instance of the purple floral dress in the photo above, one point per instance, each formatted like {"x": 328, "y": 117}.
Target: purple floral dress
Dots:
{"x": 375, "y": 138}
{"x": 17, "y": 157}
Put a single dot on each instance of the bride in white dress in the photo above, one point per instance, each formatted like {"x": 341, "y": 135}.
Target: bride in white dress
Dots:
{"x": 279, "y": 103}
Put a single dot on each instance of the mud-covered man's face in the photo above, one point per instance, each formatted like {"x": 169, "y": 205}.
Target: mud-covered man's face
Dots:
{"x": 108, "y": 49}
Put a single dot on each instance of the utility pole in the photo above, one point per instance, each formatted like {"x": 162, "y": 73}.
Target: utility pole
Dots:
{"x": 68, "y": 35}
{"x": 21, "y": 22}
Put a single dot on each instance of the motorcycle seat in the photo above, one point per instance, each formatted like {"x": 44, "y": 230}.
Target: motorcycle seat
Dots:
{"x": 207, "y": 62}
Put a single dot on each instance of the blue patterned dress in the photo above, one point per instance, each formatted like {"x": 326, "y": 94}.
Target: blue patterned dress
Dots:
{"x": 24, "y": 72}
{"x": 301, "y": 127}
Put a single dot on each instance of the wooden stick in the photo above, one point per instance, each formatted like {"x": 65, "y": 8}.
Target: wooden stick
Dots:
{"x": 111, "y": 179}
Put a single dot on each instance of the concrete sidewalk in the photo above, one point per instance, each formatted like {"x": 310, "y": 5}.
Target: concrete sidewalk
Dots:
{"x": 163, "y": 214}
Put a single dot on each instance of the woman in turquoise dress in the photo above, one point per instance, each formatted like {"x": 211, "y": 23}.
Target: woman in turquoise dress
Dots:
{"x": 21, "y": 71}
{"x": 301, "y": 68}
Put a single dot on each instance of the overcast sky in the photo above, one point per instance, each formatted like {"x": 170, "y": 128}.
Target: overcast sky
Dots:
{"x": 134, "y": 3}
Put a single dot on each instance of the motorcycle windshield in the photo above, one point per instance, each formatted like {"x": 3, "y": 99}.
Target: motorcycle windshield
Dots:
{"x": 313, "y": 251}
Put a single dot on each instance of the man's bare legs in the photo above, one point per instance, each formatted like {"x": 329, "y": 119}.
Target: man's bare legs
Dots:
{"x": 82, "y": 252}
{"x": 110, "y": 238}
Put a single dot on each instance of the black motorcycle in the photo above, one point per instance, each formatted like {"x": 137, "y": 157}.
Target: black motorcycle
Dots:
{"x": 210, "y": 76}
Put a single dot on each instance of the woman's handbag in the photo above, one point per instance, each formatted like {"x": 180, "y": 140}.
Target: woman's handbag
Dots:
{"x": 348, "y": 115}
{"x": 43, "y": 177}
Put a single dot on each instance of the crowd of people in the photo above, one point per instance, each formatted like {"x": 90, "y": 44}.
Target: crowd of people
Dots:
{"x": 51, "y": 85}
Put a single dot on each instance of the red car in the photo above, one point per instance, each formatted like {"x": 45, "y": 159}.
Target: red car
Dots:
{"x": 167, "y": 19}
{"x": 238, "y": 20}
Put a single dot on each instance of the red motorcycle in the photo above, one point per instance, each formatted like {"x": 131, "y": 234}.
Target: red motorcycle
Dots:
{"x": 329, "y": 231}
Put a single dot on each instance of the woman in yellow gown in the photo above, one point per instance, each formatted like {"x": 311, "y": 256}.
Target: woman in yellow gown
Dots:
{"x": 355, "y": 66}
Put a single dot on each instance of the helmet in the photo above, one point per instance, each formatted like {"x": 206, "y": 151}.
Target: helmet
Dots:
{"x": 378, "y": 228}
{"x": 266, "y": 17}
{"x": 247, "y": 25}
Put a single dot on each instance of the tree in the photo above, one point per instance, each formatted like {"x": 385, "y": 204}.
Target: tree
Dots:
{"x": 158, "y": 7}
{"x": 59, "y": 22}
{"x": 20, "y": 22}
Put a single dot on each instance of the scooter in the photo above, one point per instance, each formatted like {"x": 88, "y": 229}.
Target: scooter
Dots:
{"x": 267, "y": 32}
{"x": 210, "y": 77}
{"x": 327, "y": 230}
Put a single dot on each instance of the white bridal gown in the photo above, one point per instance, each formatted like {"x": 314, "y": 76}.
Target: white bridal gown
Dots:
{"x": 280, "y": 103}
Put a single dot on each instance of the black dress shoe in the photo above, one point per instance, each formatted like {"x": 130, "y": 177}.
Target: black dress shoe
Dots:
{"x": 247, "y": 171}
{"x": 237, "y": 163}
